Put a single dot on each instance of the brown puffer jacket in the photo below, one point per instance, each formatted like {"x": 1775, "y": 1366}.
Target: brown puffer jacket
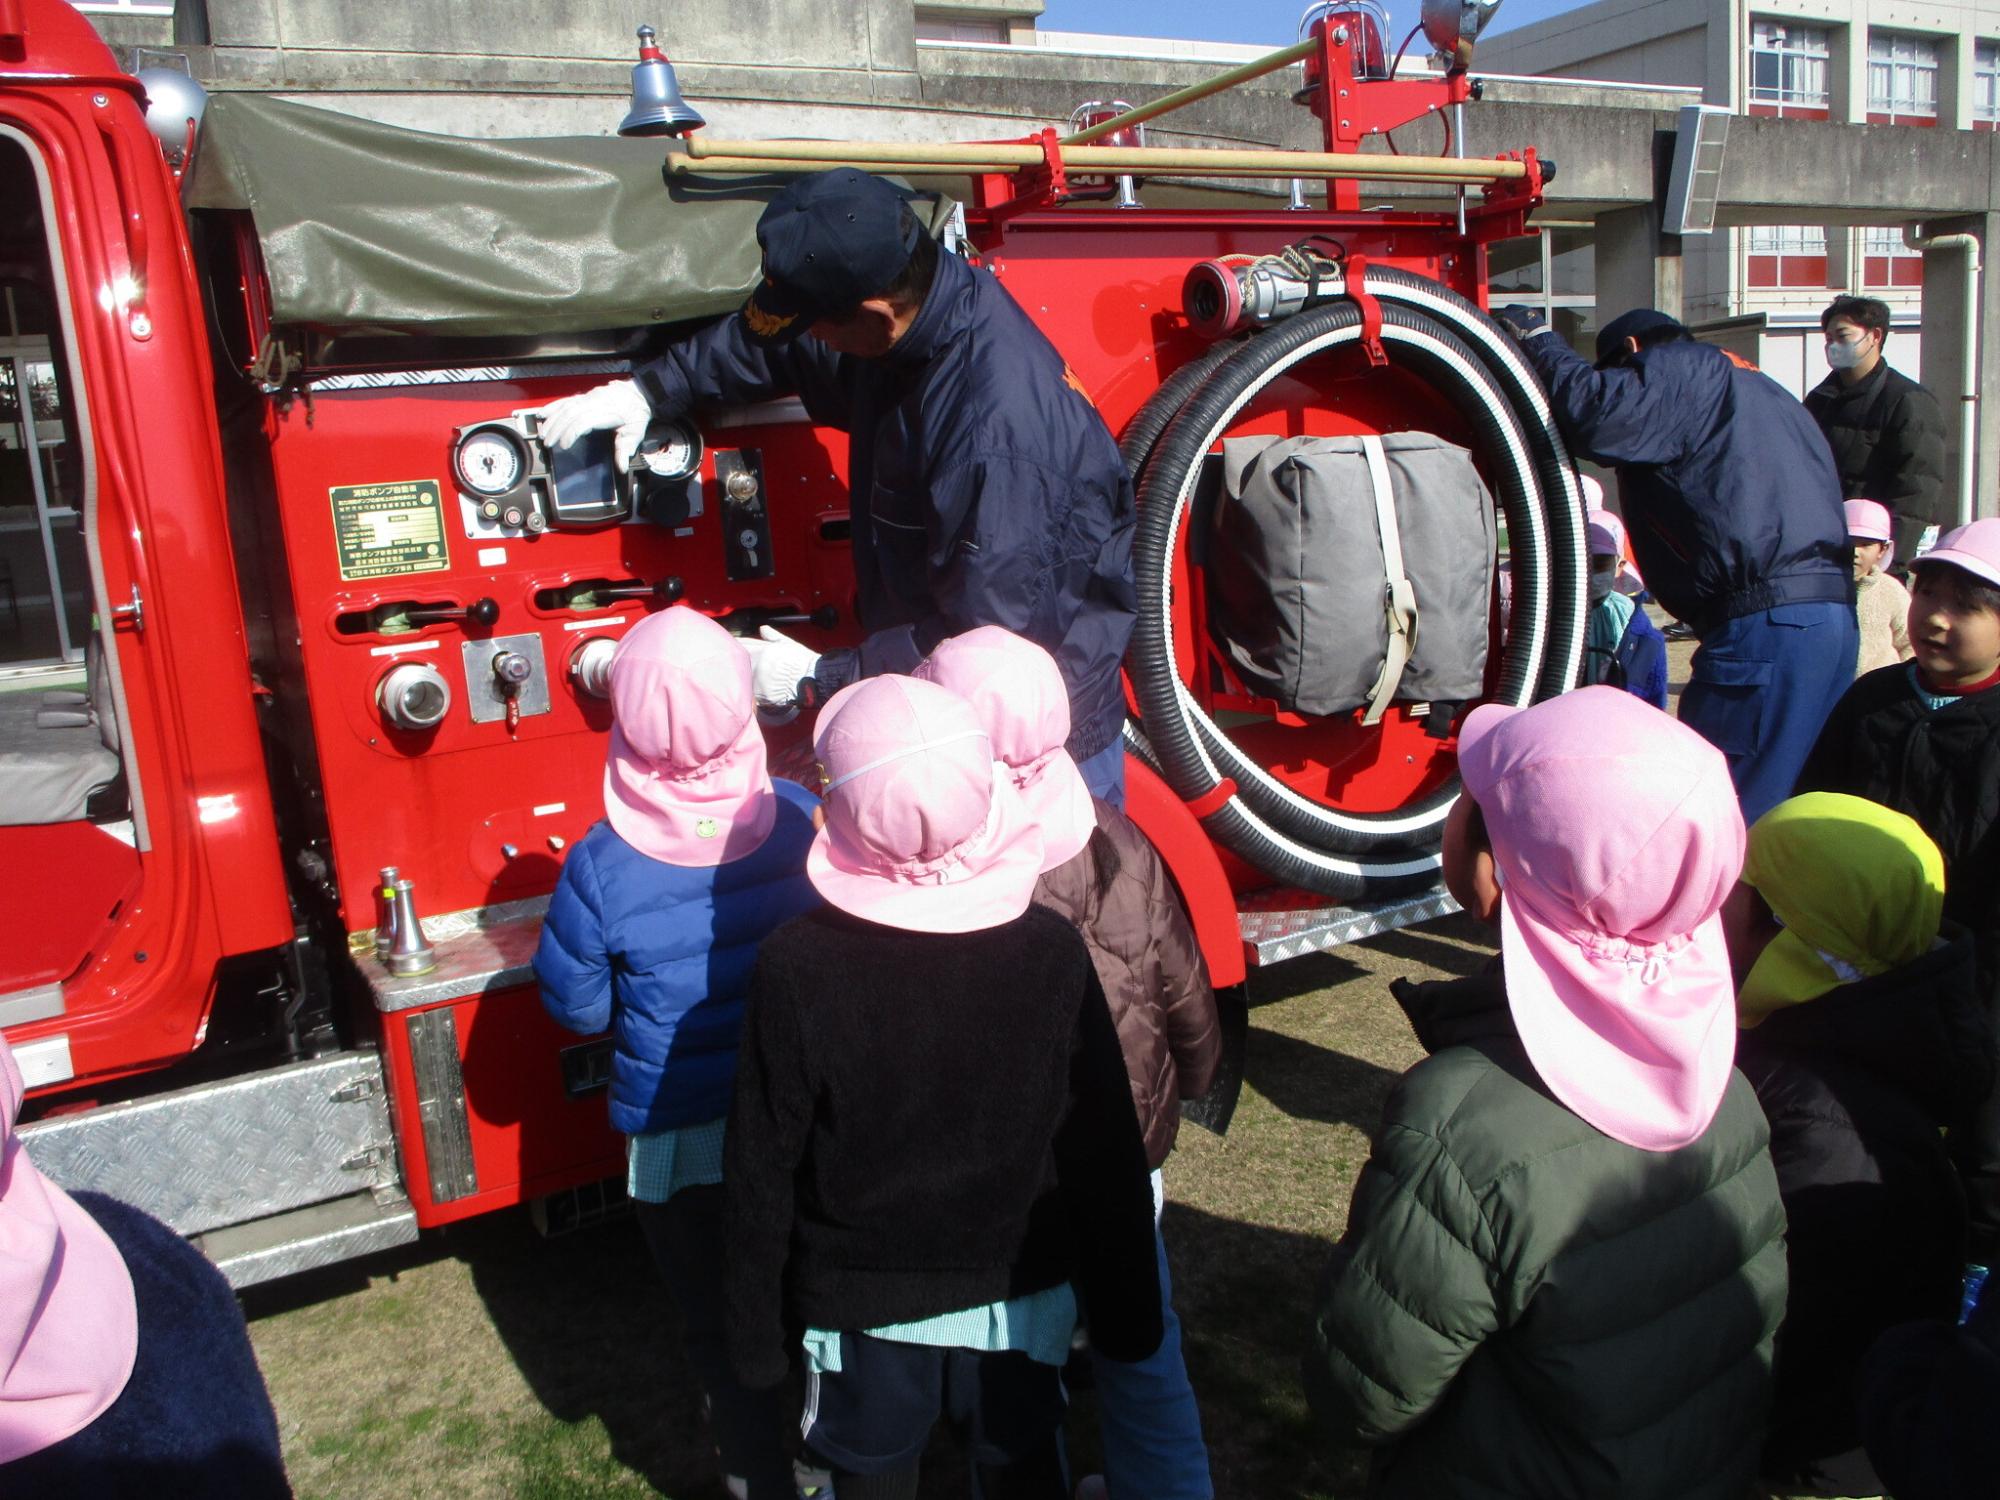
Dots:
{"x": 1117, "y": 893}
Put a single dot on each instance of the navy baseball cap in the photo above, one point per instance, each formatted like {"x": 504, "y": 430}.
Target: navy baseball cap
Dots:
{"x": 1635, "y": 324}
{"x": 831, "y": 240}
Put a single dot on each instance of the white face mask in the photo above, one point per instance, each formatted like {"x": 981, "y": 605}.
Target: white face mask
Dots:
{"x": 1841, "y": 356}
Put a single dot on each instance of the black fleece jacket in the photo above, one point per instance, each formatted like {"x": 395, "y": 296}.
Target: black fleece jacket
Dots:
{"x": 925, "y": 1123}
{"x": 1858, "y": 1085}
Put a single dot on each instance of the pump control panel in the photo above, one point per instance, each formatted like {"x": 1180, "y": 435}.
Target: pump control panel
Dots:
{"x": 511, "y": 479}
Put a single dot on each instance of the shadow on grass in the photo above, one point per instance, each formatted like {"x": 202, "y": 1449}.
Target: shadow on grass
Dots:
{"x": 1244, "y": 1293}
{"x": 592, "y": 1330}
{"x": 1299, "y": 976}
{"x": 1310, "y": 1082}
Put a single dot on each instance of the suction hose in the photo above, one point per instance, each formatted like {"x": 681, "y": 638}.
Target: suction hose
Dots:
{"x": 1443, "y": 340}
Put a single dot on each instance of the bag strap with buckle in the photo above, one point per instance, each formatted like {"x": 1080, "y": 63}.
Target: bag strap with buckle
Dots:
{"x": 1399, "y": 595}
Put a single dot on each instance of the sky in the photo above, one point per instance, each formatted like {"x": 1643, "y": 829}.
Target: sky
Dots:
{"x": 1274, "y": 23}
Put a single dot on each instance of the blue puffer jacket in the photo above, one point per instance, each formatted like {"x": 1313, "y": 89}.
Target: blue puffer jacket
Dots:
{"x": 660, "y": 955}
{"x": 1727, "y": 485}
{"x": 983, "y": 486}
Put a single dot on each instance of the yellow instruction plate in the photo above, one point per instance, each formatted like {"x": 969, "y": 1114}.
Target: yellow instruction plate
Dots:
{"x": 383, "y": 530}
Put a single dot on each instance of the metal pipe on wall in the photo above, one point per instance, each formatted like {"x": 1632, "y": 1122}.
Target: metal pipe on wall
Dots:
{"x": 1968, "y": 418}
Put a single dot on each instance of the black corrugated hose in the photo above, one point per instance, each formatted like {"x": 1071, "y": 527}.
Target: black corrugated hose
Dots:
{"x": 1443, "y": 340}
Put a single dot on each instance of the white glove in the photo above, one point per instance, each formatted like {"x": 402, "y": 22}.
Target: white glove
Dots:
{"x": 617, "y": 404}
{"x": 777, "y": 665}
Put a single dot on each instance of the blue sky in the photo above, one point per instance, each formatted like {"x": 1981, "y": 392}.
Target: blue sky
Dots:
{"x": 1275, "y": 22}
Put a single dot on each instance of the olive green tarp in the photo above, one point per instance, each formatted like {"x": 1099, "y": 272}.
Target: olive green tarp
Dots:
{"x": 372, "y": 226}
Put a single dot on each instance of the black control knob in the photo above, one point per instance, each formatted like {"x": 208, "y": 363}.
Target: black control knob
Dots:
{"x": 668, "y": 590}
{"x": 480, "y": 612}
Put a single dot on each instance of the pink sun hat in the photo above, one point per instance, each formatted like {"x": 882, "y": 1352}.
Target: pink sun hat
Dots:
{"x": 1016, "y": 689}
{"x": 1617, "y": 836}
{"x": 686, "y": 781}
{"x": 1870, "y": 520}
{"x": 922, "y": 832}
{"x": 69, "y": 1325}
{"x": 1975, "y": 548}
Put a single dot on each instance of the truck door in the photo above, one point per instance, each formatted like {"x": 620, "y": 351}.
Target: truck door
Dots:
{"x": 66, "y": 831}
{"x": 135, "y": 818}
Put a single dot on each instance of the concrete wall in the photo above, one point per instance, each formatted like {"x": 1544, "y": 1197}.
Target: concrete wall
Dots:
{"x": 857, "y": 71}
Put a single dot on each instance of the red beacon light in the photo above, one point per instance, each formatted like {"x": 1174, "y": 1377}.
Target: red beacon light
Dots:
{"x": 1125, "y": 190}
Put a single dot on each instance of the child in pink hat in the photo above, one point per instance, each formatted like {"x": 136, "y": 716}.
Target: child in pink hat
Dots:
{"x": 932, "y": 1134}
{"x": 125, "y": 1370}
{"x": 1881, "y": 603}
{"x": 1101, "y": 873}
{"x": 1923, "y": 737}
{"x": 651, "y": 935}
{"x": 1623, "y": 648}
{"x": 1564, "y": 1264}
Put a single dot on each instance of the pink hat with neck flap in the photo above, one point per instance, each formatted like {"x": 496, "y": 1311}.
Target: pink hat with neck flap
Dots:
{"x": 1617, "y": 836}
{"x": 1016, "y": 689}
{"x": 686, "y": 780}
{"x": 69, "y": 1326}
{"x": 922, "y": 832}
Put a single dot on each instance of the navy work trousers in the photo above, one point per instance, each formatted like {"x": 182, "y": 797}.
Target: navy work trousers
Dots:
{"x": 1762, "y": 688}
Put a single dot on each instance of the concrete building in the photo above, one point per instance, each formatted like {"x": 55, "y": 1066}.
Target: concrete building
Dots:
{"x": 972, "y": 69}
{"x": 1931, "y": 65}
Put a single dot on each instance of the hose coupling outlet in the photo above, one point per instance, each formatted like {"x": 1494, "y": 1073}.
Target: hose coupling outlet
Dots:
{"x": 414, "y": 696}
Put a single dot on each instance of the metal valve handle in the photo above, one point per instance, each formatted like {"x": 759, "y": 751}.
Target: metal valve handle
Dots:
{"x": 481, "y": 612}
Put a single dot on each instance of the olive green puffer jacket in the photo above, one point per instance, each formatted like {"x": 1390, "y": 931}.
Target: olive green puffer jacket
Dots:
{"x": 1524, "y": 1307}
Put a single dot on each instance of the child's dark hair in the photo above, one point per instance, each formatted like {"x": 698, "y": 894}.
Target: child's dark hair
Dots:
{"x": 1966, "y": 591}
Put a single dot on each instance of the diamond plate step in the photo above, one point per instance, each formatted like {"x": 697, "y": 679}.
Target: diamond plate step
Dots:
{"x": 229, "y": 1152}
{"x": 1282, "y": 930}
{"x": 319, "y": 1235}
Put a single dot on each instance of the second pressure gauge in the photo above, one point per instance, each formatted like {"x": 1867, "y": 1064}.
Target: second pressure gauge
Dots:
{"x": 671, "y": 450}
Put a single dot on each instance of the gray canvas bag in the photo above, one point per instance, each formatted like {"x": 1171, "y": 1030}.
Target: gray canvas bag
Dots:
{"x": 1352, "y": 572}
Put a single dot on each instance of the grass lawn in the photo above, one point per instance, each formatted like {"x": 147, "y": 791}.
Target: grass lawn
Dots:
{"x": 488, "y": 1362}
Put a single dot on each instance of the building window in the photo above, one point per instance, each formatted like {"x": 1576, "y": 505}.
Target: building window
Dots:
{"x": 1888, "y": 263}
{"x": 937, "y": 26}
{"x": 1902, "y": 79}
{"x": 1781, "y": 256}
{"x": 1788, "y": 70}
{"x": 1986, "y": 86}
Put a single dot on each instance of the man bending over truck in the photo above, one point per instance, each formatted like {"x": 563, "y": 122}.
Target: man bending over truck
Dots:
{"x": 1735, "y": 514}
{"x": 983, "y": 486}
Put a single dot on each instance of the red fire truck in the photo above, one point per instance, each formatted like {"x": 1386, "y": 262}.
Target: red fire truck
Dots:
{"x": 344, "y": 621}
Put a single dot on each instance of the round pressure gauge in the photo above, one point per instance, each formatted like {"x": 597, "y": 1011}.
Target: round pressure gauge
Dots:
{"x": 671, "y": 450}
{"x": 490, "y": 461}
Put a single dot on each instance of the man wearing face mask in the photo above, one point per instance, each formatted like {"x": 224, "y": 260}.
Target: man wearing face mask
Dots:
{"x": 1736, "y": 520}
{"x": 1886, "y": 431}
{"x": 983, "y": 486}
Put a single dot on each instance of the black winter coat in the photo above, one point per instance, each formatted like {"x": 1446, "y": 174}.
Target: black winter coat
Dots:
{"x": 926, "y": 1122}
{"x": 1928, "y": 1395}
{"x": 1887, "y": 437}
{"x": 1942, "y": 767}
{"x": 1857, "y": 1086}
{"x": 1727, "y": 488}
{"x": 983, "y": 487}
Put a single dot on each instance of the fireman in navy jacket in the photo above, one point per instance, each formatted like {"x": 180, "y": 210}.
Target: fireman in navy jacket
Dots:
{"x": 1735, "y": 514}
{"x": 984, "y": 487}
